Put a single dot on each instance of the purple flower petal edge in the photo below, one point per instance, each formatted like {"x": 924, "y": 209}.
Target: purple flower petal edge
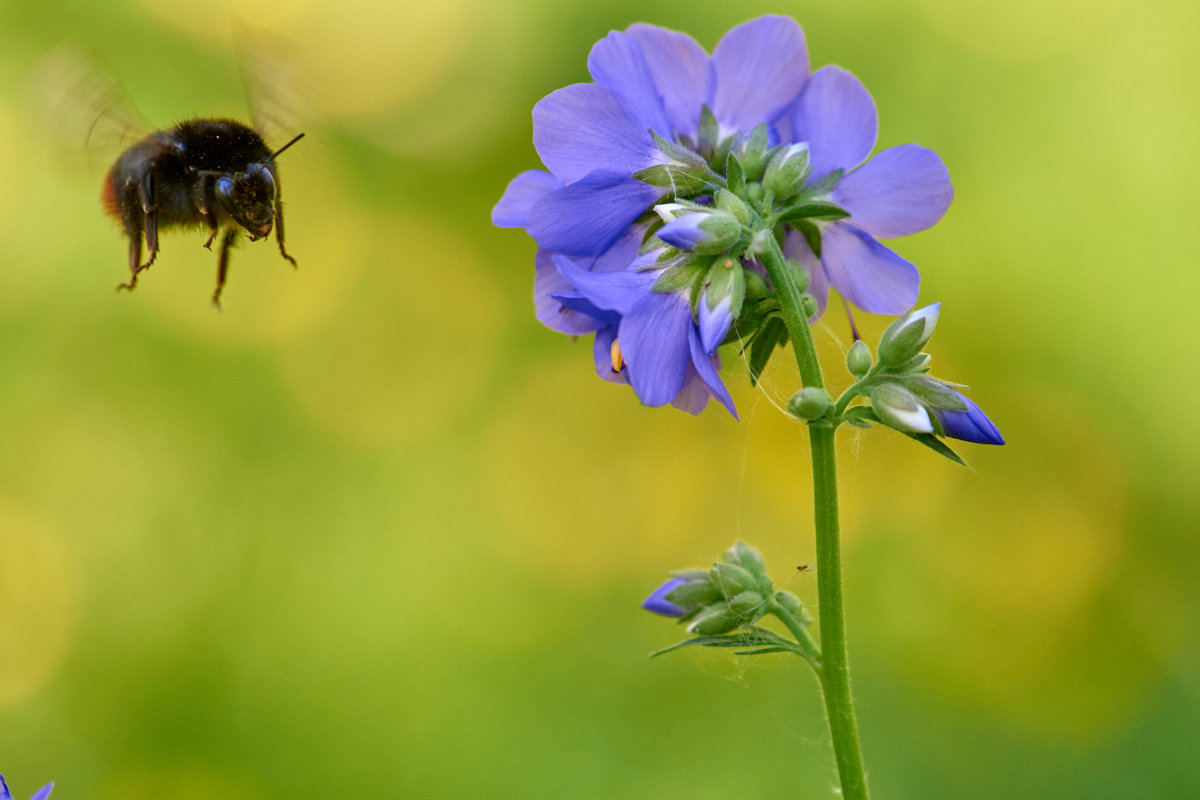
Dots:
{"x": 971, "y": 425}
{"x": 658, "y": 604}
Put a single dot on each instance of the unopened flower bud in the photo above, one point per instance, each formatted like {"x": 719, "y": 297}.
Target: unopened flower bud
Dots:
{"x": 730, "y": 203}
{"x": 752, "y": 152}
{"x": 714, "y": 621}
{"x": 935, "y": 394}
{"x": 702, "y": 233}
{"x": 787, "y": 170}
{"x": 694, "y": 594}
{"x": 905, "y": 337}
{"x": 897, "y": 408}
{"x": 748, "y": 604}
{"x": 969, "y": 425}
{"x": 800, "y": 275}
{"x": 668, "y": 212}
{"x": 858, "y": 359}
{"x": 732, "y": 579}
{"x": 808, "y": 304}
{"x": 791, "y": 604}
{"x": 756, "y": 286}
{"x": 746, "y": 557}
{"x": 657, "y": 601}
{"x": 809, "y": 403}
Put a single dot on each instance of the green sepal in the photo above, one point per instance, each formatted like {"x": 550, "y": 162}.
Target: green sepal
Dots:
{"x": 928, "y": 439}
{"x": 695, "y": 593}
{"x": 916, "y": 365}
{"x": 792, "y": 605}
{"x": 935, "y": 393}
{"x": 754, "y": 195}
{"x": 825, "y": 185}
{"x": 689, "y": 575}
{"x": 903, "y": 339}
{"x": 749, "y": 320}
{"x": 720, "y": 157}
{"x": 685, "y": 273}
{"x": 811, "y": 234}
{"x": 726, "y": 278}
{"x": 653, "y": 225}
{"x": 709, "y": 132}
{"x": 734, "y": 176}
{"x": 731, "y": 579}
{"x": 678, "y": 153}
{"x": 680, "y": 180}
{"x": 860, "y": 416}
{"x": 816, "y": 209}
{"x": 772, "y": 334}
{"x": 893, "y": 404}
{"x": 785, "y": 174}
{"x": 748, "y": 603}
{"x": 754, "y": 152}
{"x": 715, "y": 619}
{"x": 747, "y": 557}
{"x": 936, "y": 445}
{"x": 727, "y": 200}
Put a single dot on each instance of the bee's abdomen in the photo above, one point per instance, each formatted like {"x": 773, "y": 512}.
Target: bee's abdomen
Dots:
{"x": 108, "y": 196}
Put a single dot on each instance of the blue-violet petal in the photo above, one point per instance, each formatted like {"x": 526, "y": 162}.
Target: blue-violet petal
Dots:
{"x": 900, "y": 191}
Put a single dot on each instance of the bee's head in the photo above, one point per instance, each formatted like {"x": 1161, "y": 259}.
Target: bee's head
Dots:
{"x": 249, "y": 197}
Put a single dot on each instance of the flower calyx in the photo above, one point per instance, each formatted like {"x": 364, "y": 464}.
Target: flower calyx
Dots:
{"x": 905, "y": 337}
{"x": 721, "y": 606}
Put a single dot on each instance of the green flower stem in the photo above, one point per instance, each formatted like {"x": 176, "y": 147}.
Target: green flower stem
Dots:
{"x": 807, "y": 647}
{"x": 835, "y": 670}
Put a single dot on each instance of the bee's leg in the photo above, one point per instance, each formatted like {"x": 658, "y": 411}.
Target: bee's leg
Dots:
{"x": 223, "y": 265}
{"x": 203, "y": 190}
{"x": 150, "y": 210}
{"x": 279, "y": 225}
{"x": 132, "y": 217}
{"x": 135, "y": 260}
{"x": 212, "y": 228}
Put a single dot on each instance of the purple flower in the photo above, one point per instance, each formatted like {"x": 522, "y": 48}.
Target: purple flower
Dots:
{"x": 971, "y": 425}
{"x": 41, "y": 794}
{"x": 901, "y": 190}
{"x": 651, "y": 79}
{"x": 657, "y": 601}
{"x": 660, "y": 344}
{"x": 661, "y": 111}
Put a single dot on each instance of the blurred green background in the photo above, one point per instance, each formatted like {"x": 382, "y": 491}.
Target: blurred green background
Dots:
{"x": 373, "y": 532}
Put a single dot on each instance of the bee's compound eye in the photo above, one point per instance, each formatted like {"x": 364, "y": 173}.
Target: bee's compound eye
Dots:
{"x": 260, "y": 178}
{"x": 225, "y": 187}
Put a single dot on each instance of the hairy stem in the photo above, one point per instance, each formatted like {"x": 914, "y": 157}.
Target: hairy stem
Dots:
{"x": 835, "y": 669}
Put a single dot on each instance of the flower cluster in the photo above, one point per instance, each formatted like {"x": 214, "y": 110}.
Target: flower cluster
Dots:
{"x": 41, "y": 794}
{"x": 739, "y": 151}
{"x": 902, "y": 394}
{"x": 722, "y": 605}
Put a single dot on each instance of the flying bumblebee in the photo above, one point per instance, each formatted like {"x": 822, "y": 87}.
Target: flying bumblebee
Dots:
{"x": 215, "y": 173}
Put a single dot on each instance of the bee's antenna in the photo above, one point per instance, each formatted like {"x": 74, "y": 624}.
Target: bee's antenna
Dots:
{"x": 286, "y": 146}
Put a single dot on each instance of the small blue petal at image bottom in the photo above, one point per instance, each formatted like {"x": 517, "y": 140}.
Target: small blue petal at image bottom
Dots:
{"x": 41, "y": 794}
